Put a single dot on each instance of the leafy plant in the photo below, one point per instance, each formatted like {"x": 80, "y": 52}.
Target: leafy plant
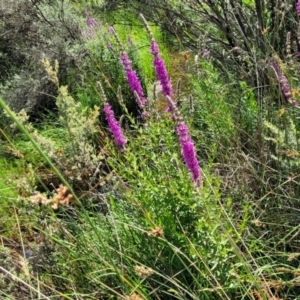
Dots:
{"x": 285, "y": 140}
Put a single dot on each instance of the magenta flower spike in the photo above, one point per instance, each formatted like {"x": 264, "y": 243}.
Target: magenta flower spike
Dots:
{"x": 133, "y": 81}
{"x": 285, "y": 87}
{"x": 206, "y": 53}
{"x": 298, "y": 13}
{"x": 160, "y": 70}
{"x": 91, "y": 22}
{"x": 298, "y": 7}
{"x": 189, "y": 154}
{"x": 159, "y": 64}
{"x": 284, "y": 83}
{"x": 92, "y": 26}
{"x": 110, "y": 46}
{"x": 131, "y": 75}
{"x": 114, "y": 126}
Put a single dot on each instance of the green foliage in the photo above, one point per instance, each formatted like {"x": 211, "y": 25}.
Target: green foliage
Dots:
{"x": 83, "y": 3}
{"x": 139, "y": 228}
{"x": 12, "y": 175}
{"x": 30, "y": 31}
{"x": 132, "y": 33}
{"x": 165, "y": 197}
{"x": 247, "y": 109}
{"x": 285, "y": 140}
{"x": 74, "y": 155}
{"x": 7, "y": 285}
{"x": 212, "y": 110}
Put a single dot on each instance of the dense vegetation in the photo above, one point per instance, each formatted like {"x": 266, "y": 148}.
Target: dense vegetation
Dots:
{"x": 149, "y": 156}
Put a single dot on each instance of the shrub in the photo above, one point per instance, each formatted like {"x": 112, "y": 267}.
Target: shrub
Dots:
{"x": 30, "y": 31}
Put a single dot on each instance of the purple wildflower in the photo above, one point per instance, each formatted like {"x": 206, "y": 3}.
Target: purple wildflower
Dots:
{"x": 111, "y": 30}
{"x": 298, "y": 7}
{"x": 92, "y": 26}
{"x": 284, "y": 83}
{"x": 159, "y": 64}
{"x": 298, "y": 12}
{"x": 160, "y": 70}
{"x": 114, "y": 126}
{"x": 144, "y": 115}
{"x": 285, "y": 87}
{"x": 188, "y": 153}
{"x": 276, "y": 68}
{"x": 133, "y": 81}
{"x": 91, "y": 22}
{"x": 154, "y": 48}
{"x": 110, "y": 46}
{"x": 131, "y": 74}
{"x": 206, "y": 53}
{"x": 187, "y": 145}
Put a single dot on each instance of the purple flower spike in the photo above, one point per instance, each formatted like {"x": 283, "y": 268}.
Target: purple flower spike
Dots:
{"x": 159, "y": 65}
{"x": 206, "y": 53}
{"x": 162, "y": 75}
{"x": 298, "y": 7}
{"x": 189, "y": 154}
{"x": 160, "y": 70}
{"x": 114, "y": 126}
{"x": 110, "y": 46}
{"x": 283, "y": 82}
{"x": 133, "y": 81}
{"x": 92, "y": 26}
{"x": 154, "y": 48}
{"x": 285, "y": 87}
{"x": 91, "y": 22}
{"x": 111, "y": 30}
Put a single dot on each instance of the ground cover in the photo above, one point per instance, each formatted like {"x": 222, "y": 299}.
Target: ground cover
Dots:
{"x": 149, "y": 174}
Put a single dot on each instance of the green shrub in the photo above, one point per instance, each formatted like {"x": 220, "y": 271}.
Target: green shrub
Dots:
{"x": 30, "y": 31}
